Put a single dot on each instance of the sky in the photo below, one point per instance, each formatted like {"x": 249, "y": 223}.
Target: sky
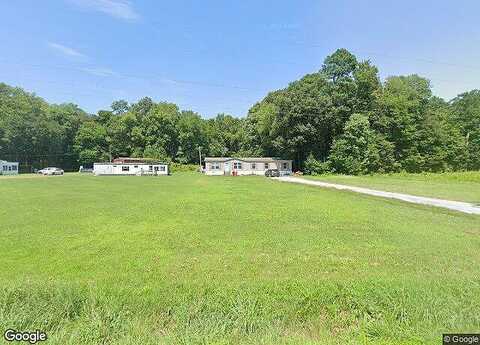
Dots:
{"x": 224, "y": 56}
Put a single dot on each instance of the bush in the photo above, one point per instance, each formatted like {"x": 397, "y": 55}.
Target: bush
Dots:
{"x": 178, "y": 167}
{"x": 315, "y": 167}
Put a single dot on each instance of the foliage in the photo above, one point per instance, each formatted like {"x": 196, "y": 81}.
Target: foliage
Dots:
{"x": 403, "y": 127}
{"x": 34, "y": 132}
{"x": 343, "y": 115}
{"x": 178, "y": 167}
{"x": 340, "y": 64}
{"x": 359, "y": 150}
{"x": 91, "y": 143}
{"x": 315, "y": 167}
{"x": 120, "y": 107}
{"x": 466, "y": 117}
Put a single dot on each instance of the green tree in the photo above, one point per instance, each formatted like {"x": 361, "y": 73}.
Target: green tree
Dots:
{"x": 368, "y": 87}
{"x": 142, "y": 107}
{"x": 69, "y": 117}
{"x": 357, "y": 150}
{"x": 158, "y": 128}
{"x": 226, "y": 135}
{"x": 466, "y": 117}
{"x": 315, "y": 167}
{"x": 120, "y": 107}
{"x": 340, "y": 64}
{"x": 156, "y": 151}
{"x": 260, "y": 128}
{"x": 91, "y": 143}
{"x": 402, "y": 110}
{"x": 29, "y": 134}
{"x": 104, "y": 117}
{"x": 192, "y": 134}
{"x": 121, "y": 134}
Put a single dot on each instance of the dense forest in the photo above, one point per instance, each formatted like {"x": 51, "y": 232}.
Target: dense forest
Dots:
{"x": 341, "y": 119}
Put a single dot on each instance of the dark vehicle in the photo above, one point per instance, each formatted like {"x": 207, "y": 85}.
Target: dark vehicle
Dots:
{"x": 272, "y": 173}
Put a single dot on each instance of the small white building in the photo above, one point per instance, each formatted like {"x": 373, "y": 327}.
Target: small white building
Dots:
{"x": 246, "y": 166}
{"x": 130, "y": 166}
{"x": 8, "y": 168}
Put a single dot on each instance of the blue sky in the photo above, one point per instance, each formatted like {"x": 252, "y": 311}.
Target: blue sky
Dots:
{"x": 223, "y": 56}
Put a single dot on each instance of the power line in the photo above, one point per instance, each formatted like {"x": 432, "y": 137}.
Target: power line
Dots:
{"x": 157, "y": 78}
{"x": 143, "y": 77}
{"x": 429, "y": 61}
{"x": 95, "y": 87}
{"x": 161, "y": 79}
{"x": 389, "y": 55}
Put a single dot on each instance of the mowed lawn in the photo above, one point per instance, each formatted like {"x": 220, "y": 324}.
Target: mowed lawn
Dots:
{"x": 191, "y": 259}
{"x": 459, "y": 186}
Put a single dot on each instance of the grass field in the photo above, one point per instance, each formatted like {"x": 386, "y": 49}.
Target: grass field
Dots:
{"x": 459, "y": 186}
{"x": 190, "y": 259}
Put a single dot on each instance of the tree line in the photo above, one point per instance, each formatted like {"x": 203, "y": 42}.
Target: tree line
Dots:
{"x": 341, "y": 119}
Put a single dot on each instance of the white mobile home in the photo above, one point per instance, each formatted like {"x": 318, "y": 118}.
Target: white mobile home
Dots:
{"x": 8, "y": 168}
{"x": 246, "y": 166}
{"x": 130, "y": 166}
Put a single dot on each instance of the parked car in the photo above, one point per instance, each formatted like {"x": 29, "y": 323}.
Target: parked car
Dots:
{"x": 51, "y": 171}
{"x": 272, "y": 173}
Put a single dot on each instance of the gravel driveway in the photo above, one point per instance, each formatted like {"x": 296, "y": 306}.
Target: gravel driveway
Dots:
{"x": 452, "y": 205}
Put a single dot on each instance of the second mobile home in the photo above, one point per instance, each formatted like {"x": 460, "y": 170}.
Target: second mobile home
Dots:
{"x": 246, "y": 166}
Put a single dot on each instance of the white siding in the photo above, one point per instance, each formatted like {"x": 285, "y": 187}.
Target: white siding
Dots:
{"x": 214, "y": 168}
{"x": 130, "y": 169}
{"x": 8, "y": 168}
{"x": 246, "y": 167}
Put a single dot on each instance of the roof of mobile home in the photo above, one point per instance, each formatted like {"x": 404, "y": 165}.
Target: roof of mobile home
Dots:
{"x": 131, "y": 163}
{"x": 125, "y": 160}
{"x": 247, "y": 159}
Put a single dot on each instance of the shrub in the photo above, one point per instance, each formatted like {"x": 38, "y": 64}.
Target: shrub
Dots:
{"x": 315, "y": 167}
{"x": 178, "y": 167}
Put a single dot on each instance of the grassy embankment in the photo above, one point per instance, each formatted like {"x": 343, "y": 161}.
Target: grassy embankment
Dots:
{"x": 459, "y": 186}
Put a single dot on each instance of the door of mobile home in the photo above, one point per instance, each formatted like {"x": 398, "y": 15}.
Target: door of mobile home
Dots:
{"x": 226, "y": 168}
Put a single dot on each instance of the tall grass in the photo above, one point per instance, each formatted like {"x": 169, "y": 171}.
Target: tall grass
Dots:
{"x": 283, "y": 313}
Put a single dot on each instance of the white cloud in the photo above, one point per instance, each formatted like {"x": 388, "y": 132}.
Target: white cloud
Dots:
{"x": 121, "y": 9}
{"x": 101, "y": 72}
{"x": 65, "y": 50}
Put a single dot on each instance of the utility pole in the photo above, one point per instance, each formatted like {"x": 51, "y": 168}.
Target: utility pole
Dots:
{"x": 200, "y": 157}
